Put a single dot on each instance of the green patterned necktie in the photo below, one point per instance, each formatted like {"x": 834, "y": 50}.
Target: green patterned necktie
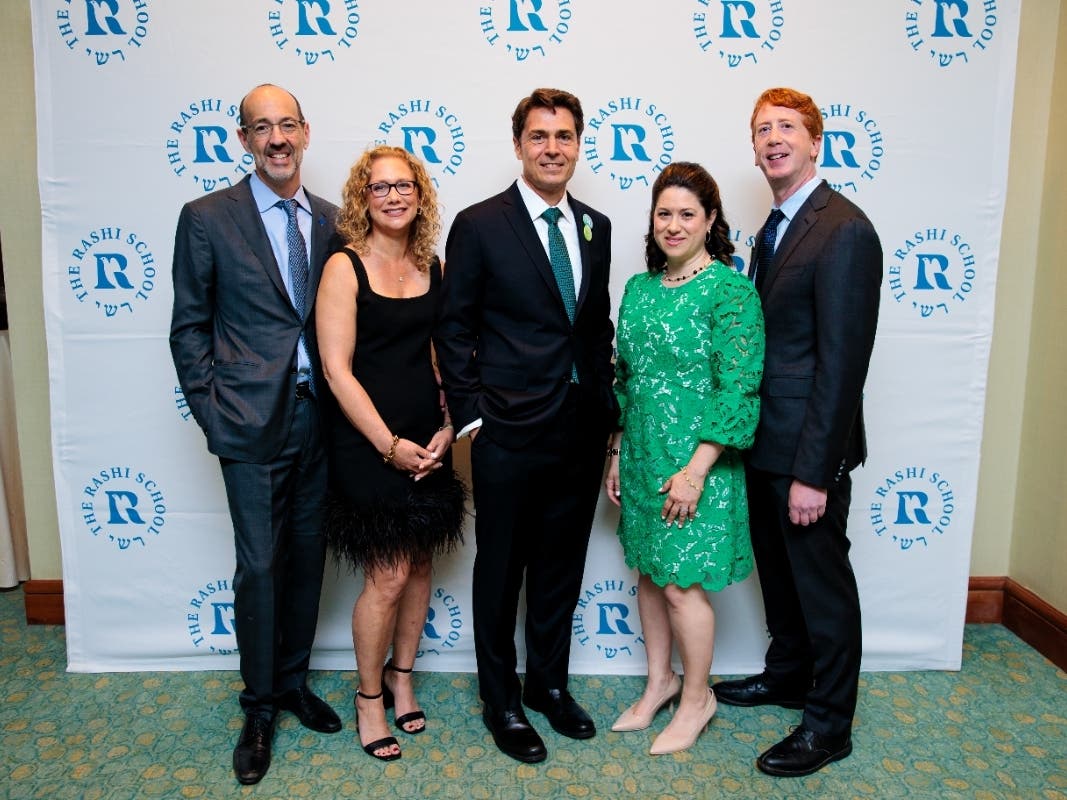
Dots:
{"x": 561, "y": 260}
{"x": 561, "y": 267}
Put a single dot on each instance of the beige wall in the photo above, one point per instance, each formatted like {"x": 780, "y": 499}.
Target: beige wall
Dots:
{"x": 1020, "y": 529}
{"x": 20, "y": 228}
{"x": 1039, "y": 525}
{"x": 1008, "y": 365}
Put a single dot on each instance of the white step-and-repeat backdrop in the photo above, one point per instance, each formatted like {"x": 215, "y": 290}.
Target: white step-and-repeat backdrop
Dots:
{"x": 137, "y": 103}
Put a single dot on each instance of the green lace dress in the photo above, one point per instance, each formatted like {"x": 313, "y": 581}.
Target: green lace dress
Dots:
{"x": 688, "y": 370}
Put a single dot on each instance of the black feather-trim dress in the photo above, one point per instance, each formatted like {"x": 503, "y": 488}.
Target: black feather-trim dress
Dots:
{"x": 377, "y": 515}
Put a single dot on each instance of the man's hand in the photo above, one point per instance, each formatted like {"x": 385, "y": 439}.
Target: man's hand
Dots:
{"x": 806, "y": 503}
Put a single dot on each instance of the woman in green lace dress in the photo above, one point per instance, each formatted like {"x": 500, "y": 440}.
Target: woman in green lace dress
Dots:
{"x": 690, "y": 341}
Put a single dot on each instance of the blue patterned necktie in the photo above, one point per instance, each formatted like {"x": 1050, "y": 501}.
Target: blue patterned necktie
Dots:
{"x": 561, "y": 267}
{"x": 298, "y": 257}
{"x": 298, "y": 267}
{"x": 765, "y": 247}
{"x": 560, "y": 259}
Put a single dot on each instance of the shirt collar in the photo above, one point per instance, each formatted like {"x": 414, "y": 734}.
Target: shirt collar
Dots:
{"x": 265, "y": 197}
{"x": 536, "y": 205}
{"x": 791, "y": 206}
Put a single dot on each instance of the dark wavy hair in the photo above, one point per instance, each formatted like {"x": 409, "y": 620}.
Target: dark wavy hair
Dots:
{"x": 550, "y": 99}
{"x": 687, "y": 175}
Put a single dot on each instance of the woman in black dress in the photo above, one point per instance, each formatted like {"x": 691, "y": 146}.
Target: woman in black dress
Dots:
{"x": 396, "y": 501}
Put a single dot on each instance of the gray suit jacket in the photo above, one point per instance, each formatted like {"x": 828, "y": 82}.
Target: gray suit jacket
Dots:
{"x": 820, "y": 307}
{"x": 234, "y": 331}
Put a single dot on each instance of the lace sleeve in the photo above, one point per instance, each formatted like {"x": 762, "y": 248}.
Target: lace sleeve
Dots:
{"x": 737, "y": 342}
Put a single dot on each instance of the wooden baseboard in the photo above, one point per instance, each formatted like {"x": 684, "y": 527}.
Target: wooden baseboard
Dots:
{"x": 985, "y": 600}
{"x": 44, "y": 602}
{"x": 1036, "y": 622}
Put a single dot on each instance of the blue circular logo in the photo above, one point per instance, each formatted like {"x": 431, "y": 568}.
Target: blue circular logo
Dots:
{"x": 209, "y": 618}
{"x": 912, "y": 508}
{"x": 123, "y": 507}
{"x": 445, "y": 624}
{"x": 202, "y": 144}
{"x": 107, "y": 32}
{"x": 428, "y": 130}
{"x": 113, "y": 269}
{"x": 628, "y": 140}
{"x": 950, "y": 32}
{"x": 852, "y": 147}
{"x": 932, "y": 271}
{"x": 606, "y": 619}
{"x": 314, "y": 31}
{"x": 525, "y": 31}
{"x": 743, "y": 33}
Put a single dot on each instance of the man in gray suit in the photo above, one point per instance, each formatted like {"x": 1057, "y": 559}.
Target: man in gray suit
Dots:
{"x": 818, "y": 268}
{"x": 247, "y": 261}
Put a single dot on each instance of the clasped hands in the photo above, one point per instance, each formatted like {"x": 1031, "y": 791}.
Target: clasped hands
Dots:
{"x": 419, "y": 461}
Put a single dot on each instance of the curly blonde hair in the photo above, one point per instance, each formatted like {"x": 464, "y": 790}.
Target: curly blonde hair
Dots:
{"x": 353, "y": 220}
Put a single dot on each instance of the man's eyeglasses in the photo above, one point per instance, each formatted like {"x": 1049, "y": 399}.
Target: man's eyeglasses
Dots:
{"x": 381, "y": 188}
{"x": 261, "y": 130}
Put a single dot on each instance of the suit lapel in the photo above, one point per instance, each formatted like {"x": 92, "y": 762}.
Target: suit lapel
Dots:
{"x": 586, "y": 252}
{"x": 248, "y": 221}
{"x": 518, "y": 216}
{"x": 320, "y": 231}
{"x": 806, "y": 217}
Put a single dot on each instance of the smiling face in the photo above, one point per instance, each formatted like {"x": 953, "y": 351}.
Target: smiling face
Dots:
{"x": 276, "y": 154}
{"x": 548, "y": 149}
{"x": 680, "y": 225}
{"x": 395, "y": 212}
{"x": 785, "y": 151}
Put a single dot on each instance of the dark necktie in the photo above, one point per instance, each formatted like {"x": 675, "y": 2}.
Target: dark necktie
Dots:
{"x": 561, "y": 267}
{"x": 560, "y": 259}
{"x": 298, "y": 257}
{"x": 765, "y": 246}
{"x": 298, "y": 268}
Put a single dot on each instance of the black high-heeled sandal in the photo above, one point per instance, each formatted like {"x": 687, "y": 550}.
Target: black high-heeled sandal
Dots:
{"x": 389, "y": 701}
{"x": 378, "y": 744}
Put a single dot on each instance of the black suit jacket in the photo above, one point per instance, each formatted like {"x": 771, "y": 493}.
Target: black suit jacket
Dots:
{"x": 234, "y": 331}
{"x": 820, "y": 306}
{"x": 504, "y": 344}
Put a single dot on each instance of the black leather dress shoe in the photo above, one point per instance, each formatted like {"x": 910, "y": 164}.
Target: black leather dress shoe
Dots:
{"x": 251, "y": 757}
{"x": 312, "y": 711}
{"x": 514, "y": 734}
{"x": 803, "y": 752}
{"x": 563, "y": 712}
{"x": 756, "y": 691}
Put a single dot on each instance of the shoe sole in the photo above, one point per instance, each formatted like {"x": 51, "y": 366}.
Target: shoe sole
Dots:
{"x": 796, "y": 704}
{"x": 785, "y": 773}
{"x": 574, "y": 734}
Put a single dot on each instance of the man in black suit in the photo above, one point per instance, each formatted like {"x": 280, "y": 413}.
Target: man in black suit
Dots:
{"x": 524, "y": 347}
{"x": 246, "y": 267}
{"x": 818, "y": 270}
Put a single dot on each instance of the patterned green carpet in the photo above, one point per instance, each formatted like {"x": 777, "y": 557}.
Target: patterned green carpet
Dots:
{"x": 997, "y": 729}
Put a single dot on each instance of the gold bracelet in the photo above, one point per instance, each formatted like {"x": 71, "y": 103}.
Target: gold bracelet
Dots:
{"x": 388, "y": 457}
{"x": 445, "y": 427}
{"x": 685, "y": 474}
